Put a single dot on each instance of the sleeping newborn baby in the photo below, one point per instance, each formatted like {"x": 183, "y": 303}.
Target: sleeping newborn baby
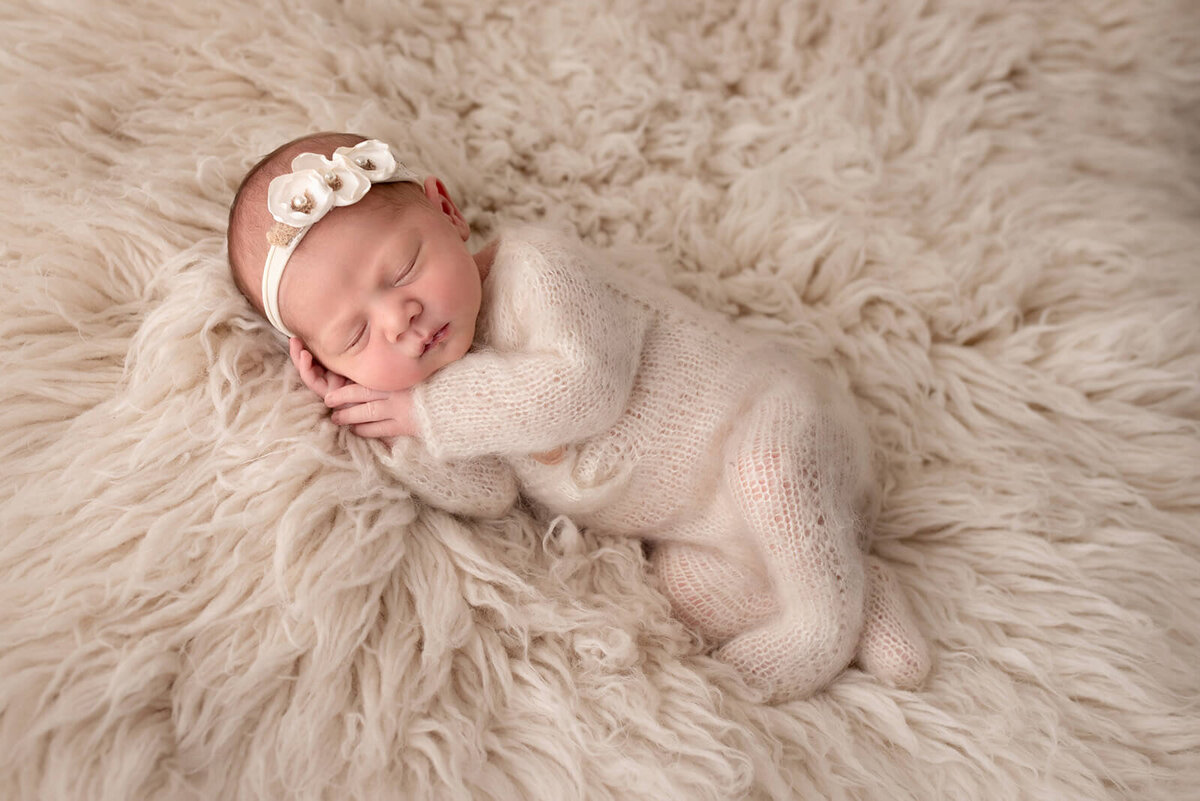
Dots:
{"x": 533, "y": 366}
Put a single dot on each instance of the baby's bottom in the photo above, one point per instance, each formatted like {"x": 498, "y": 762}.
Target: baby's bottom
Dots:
{"x": 776, "y": 571}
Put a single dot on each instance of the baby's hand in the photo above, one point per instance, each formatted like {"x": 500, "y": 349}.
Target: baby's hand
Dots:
{"x": 369, "y": 413}
{"x": 373, "y": 413}
{"x": 312, "y": 373}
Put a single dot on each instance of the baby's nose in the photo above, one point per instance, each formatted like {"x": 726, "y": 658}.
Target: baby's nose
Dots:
{"x": 400, "y": 318}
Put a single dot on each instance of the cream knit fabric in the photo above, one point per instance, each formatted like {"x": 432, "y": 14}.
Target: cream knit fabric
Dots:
{"x": 481, "y": 487}
{"x": 744, "y": 467}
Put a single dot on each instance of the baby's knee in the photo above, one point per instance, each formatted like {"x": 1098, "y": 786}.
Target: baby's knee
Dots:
{"x": 714, "y": 596}
{"x": 672, "y": 573}
{"x": 679, "y": 580}
{"x": 794, "y": 656}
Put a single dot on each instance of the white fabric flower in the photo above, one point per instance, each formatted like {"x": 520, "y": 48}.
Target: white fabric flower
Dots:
{"x": 316, "y": 184}
{"x": 373, "y": 157}
{"x": 299, "y": 198}
{"x": 347, "y": 181}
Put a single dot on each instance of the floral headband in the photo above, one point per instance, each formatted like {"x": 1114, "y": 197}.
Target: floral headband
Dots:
{"x": 297, "y": 200}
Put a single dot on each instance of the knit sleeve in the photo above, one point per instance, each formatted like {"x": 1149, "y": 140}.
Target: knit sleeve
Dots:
{"x": 481, "y": 487}
{"x": 561, "y": 370}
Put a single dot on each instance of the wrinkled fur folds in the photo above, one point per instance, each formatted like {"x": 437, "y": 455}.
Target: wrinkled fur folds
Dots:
{"x": 983, "y": 215}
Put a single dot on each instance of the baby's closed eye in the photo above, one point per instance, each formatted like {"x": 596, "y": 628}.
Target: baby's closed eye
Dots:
{"x": 355, "y": 338}
{"x": 407, "y": 272}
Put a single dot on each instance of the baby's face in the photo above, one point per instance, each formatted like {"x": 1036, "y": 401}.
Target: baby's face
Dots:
{"x": 385, "y": 296}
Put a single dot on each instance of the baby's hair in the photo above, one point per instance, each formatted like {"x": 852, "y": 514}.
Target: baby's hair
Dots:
{"x": 249, "y": 220}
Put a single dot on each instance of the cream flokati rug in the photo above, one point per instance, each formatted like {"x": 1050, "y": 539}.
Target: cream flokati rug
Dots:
{"x": 985, "y": 215}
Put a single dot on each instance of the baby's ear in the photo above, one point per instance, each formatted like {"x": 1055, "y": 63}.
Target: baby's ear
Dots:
{"x": 439, "y": 196}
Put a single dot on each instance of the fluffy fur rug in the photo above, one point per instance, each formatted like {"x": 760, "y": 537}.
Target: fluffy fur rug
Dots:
{"x": 985, "y": 215}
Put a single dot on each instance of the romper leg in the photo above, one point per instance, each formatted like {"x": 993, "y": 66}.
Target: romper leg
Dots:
{"x": 892, "y": 648}
{"x": 713, "y": 595}
{"x": 795, "y": 473}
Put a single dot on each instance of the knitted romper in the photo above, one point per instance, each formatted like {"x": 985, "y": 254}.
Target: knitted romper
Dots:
{"x": 637, "y": 413}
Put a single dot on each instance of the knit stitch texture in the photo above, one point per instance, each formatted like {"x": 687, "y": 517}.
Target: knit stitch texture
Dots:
{"x": 671, "y": 424}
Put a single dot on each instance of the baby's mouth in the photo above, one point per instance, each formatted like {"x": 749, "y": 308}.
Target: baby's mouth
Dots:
{"x": 437, "y": 337}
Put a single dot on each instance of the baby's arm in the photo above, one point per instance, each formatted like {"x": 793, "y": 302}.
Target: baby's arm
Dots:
{"x": 481, "y": 487}
{"x": 563, "y": 371}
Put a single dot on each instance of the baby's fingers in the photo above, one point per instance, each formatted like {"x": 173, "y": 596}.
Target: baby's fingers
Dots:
{"x": 310, "y": 372}
{"x": 386, "y": 430}
{"x": 359, "y": 413}
{"x": 350, "y": 394}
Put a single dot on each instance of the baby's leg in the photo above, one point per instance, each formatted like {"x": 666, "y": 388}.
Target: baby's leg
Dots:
{"x": 795, "y": 474}
{"x": 892, "y": 648}
{"x": 713, "y": 595}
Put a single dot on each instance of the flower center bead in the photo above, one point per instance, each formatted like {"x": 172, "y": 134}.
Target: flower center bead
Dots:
{"x": 333, "y": 181}
{"x": 303, "y": 203}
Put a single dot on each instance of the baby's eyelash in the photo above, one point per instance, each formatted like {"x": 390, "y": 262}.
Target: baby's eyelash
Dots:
{"x": 357, "y": 337}
{"x": 407, "y": 270}
{"x": 404, "y": 273}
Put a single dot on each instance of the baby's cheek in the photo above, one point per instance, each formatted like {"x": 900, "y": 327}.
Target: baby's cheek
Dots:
{"x": 352, "y": 371}
{"x": 386, "y": 375}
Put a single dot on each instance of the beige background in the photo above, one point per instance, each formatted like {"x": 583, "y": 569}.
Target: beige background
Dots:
{"x": 985, "y": 215}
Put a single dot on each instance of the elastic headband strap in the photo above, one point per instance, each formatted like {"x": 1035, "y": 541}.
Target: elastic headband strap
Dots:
{"x": 277, "y": 259}
{"x": 298, "y": 199}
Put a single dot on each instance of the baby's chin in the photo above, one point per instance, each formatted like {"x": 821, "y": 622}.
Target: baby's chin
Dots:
{"x": 380, "y": 385}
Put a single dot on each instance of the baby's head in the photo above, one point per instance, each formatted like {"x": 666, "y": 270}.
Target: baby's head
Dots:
{"x": 357, "y": 256}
